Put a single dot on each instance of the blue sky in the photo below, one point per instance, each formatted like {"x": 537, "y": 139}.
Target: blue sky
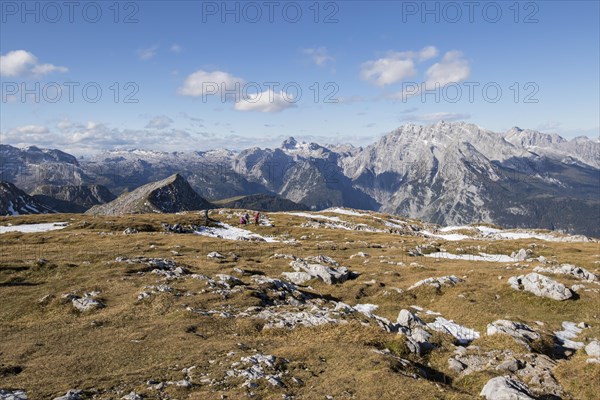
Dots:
{"x": 372, "y": 57}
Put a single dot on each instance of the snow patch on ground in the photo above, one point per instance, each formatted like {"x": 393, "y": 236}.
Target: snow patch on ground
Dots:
{"x": 345, "y": 211}
{"x": 452, "y": 237}
{"x": 472, "y": 257}
{"x": 225, "y": 231}
{"x": 34, "y": 228}
{"x": 485, "y": 232}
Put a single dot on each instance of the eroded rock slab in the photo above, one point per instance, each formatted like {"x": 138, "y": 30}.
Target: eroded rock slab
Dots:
{"x": 13, "y": 395}
{"x": 570, "y": 269}
{"x": 437, "y": 283}
{"x": 522, "y": 333}
{"x": 506, "y": 388}
{"x": 322, "y": 267}
{"x": 541, "y": 286}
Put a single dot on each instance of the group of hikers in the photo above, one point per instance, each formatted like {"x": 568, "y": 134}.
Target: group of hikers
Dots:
{"x": 245, "y": 219}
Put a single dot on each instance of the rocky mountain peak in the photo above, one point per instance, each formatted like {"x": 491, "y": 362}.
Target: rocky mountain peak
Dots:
{"x": 289, "y": 143}
{"x": 170, "y": 195}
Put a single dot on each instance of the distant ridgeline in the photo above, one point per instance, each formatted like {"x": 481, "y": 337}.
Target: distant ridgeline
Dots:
{"x": 445, "y": 173}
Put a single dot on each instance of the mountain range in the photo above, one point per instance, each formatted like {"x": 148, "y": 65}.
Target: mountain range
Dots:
{"x": 446, "y": 173}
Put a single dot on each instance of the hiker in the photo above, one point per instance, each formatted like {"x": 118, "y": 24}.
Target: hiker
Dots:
{"x": 257, "y": 218}
{"x": 243, "y": 220}
{"x": 206, "y": 217}
{"x": 247, "y": 217}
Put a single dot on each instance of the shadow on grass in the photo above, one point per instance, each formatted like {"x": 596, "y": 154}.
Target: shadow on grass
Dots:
{"x": 17, "y": 282}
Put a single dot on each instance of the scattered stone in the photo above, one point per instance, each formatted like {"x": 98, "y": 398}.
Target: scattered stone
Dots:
{"x": 285, "y": 256}
{"x": 540, "y": 285}
{"x": 505, "y": 388}
{"x": 132, "y": 396}
{"x": 577, "y": 288}
{"x": 359, "y": 254}
{"x": 510, "y": 365}
{"x": 228, "y": 281}
{"x": 73, "y": 394}
{"x": 437, "y": 283}
{"x": 328, "y": 274}
{"x": 184, "y": 383}
{"x": 593, "y": 349}
{"x": 569, "y": 332}
{"x": 178, "y": 228}
{"x": 257, "y": 367}
{"x": 298, "y": 278}
{"x": 86, "y": 304}
{"x": 13, "y": 395}
{"x": 456, "y": 365}
{"x": 417, "y": 338}
{"x": 46, "y": 299}
{"x": 520, "y": 332}
{"x": 150, "y": 290}
{"x": 130, "y": 231}
{"x": 215, "y": 255}
{"x": 462, "y": 334}
{"x": 520, "y": 255}
{"x": 160, "y": 266}
{"x": 291, "y": 319}
{"x": 569, "y": 269}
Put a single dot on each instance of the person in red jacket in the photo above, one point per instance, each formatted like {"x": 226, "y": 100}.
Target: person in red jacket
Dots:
{"x": 257, "y": 218}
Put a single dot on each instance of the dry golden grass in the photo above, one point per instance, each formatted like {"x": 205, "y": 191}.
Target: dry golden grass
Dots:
{"x": 48, "y": 349}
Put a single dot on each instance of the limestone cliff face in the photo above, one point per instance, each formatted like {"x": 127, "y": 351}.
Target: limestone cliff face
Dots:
{"x": 72, "y": 198}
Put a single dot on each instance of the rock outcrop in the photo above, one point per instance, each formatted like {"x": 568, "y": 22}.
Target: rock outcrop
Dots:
{"x": 541, "y": 286}
{"x": 569, "y": 269}
{"x": 14, "y": 201}
{"x": 522, "y": 333}
{"x": 321, "y": 267}
{"x": 504, "y": 388}
{"x": 170, "y": 195}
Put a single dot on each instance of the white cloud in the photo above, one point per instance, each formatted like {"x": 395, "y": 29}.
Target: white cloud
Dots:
{"x": 224, "y": 86}
{"x": 20, "y": 62}
{"x": 427, "y": 52}
{"x": 16, "y": 63}
{"x": 44, "y": 69}
{"x": 386, "y": 71}
{"x": 395, "y": 67}
{"x": 29, "y": 129}
{"x": 93, "y": 136}
{"x": 159, "y": 122}
{"x": 175, "y": 48}
{"x": 147, "y": 53}
{"x": 267, "y": 101}
{"x": 319, "y": 55}
{"x": 203, "y": 82}
{"x": 452, "y": 69}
